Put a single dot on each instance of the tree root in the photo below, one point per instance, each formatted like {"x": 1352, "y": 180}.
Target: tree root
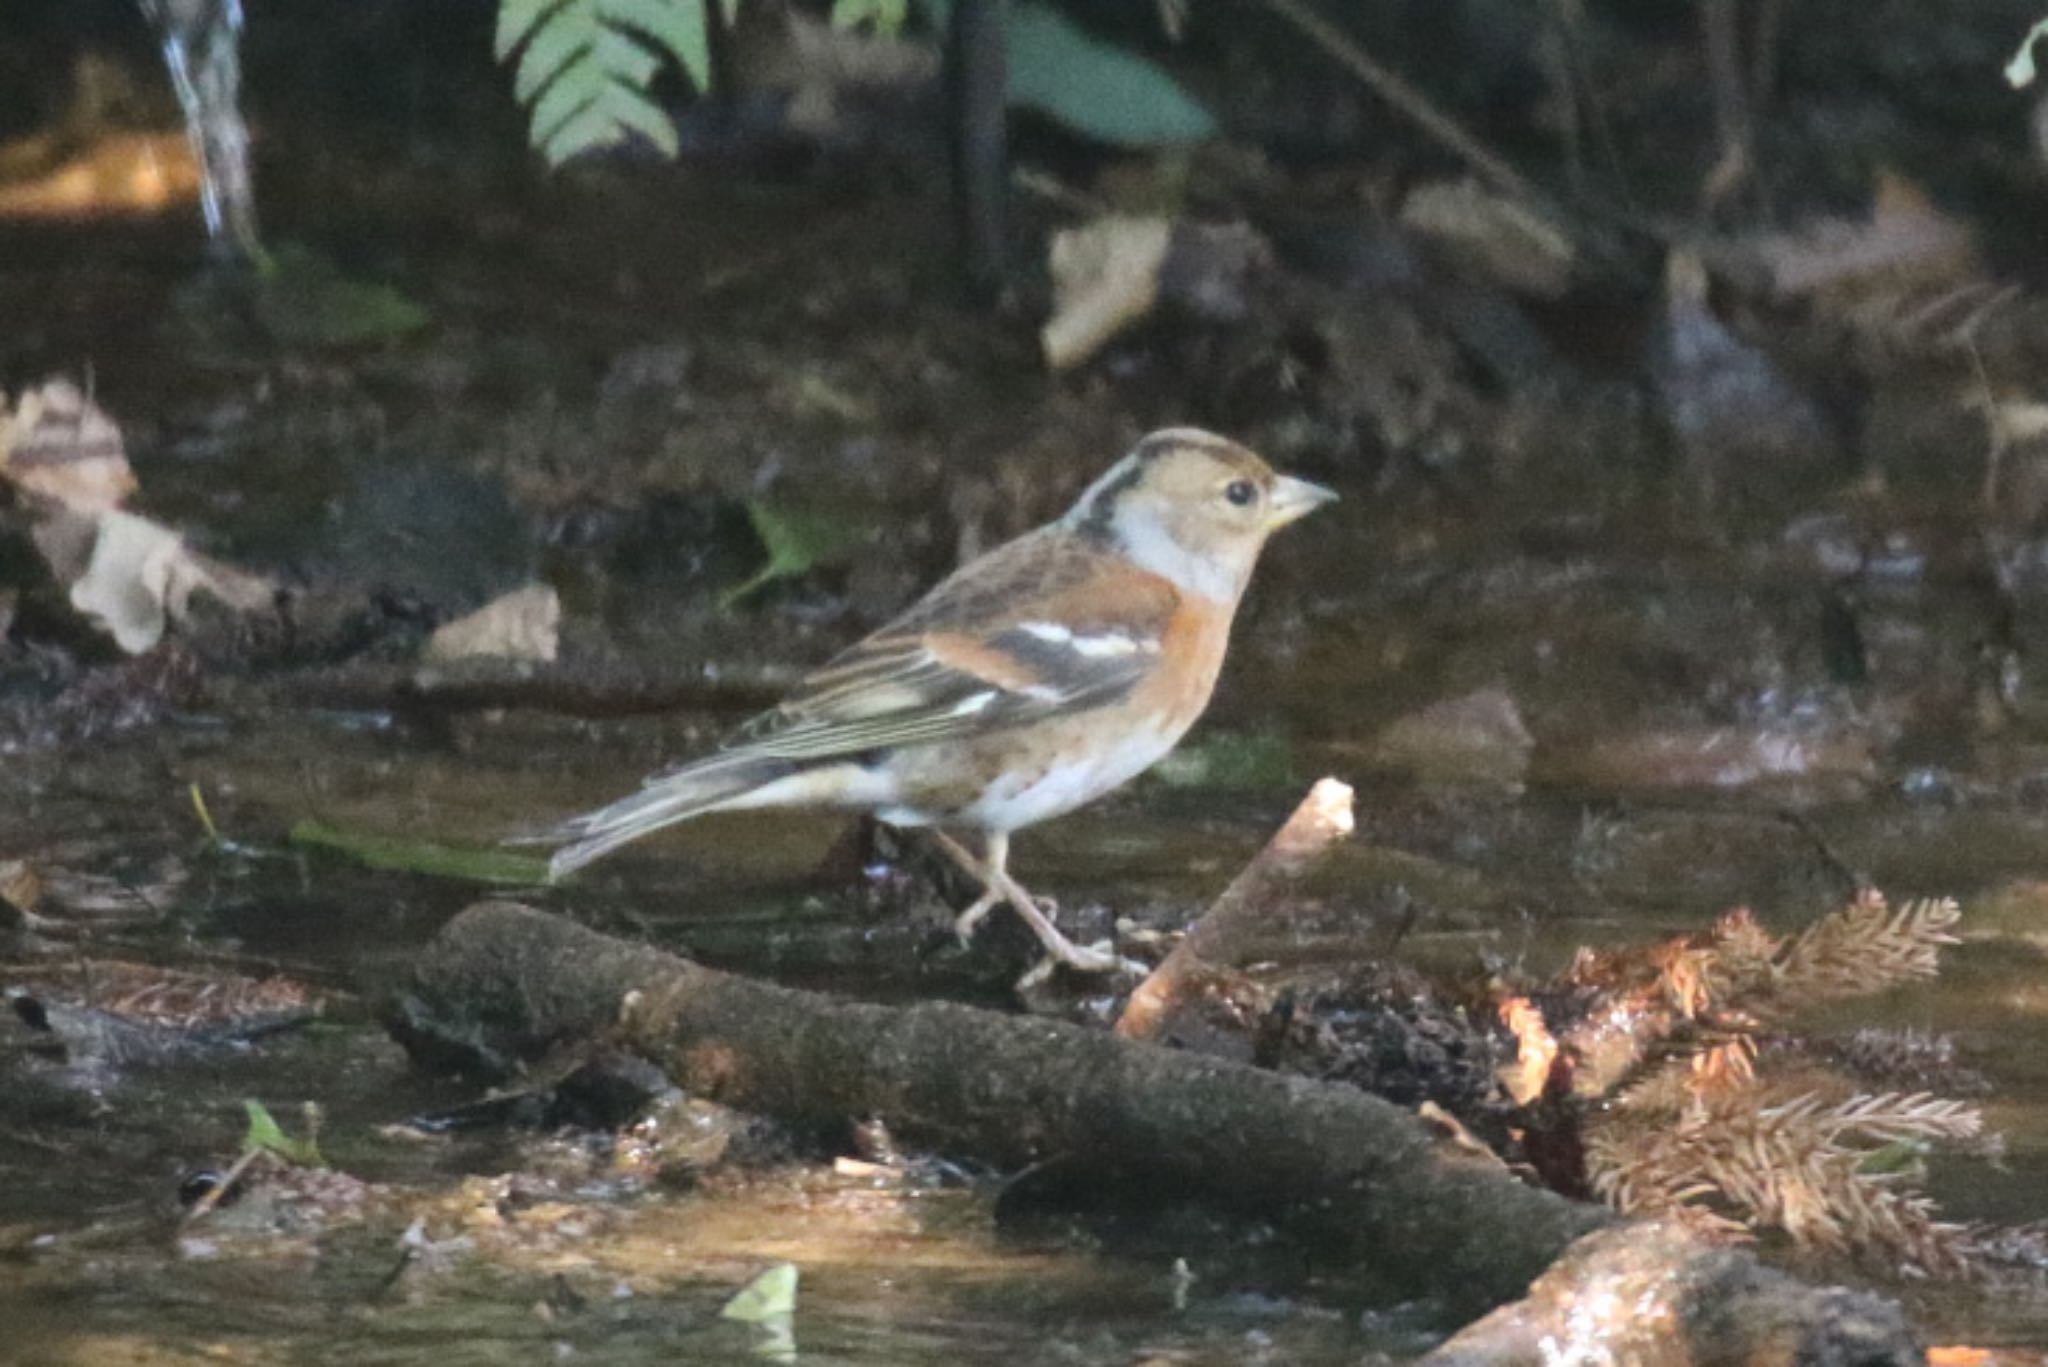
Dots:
{"x": 504, "y": 983}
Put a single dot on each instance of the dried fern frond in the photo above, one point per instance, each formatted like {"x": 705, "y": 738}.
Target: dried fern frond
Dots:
{"x": 1743, "y": 952}
{"x": 1731, "y": 1063}
{"x": 1642, "y": 1174}
{"x": 1665, "y": 1091}
{"x": 1886, "y": 1117}
{"x": 1685, "y": 976}
{"x": 1864, "y": 947}
{"x": 1801, "y": 1165}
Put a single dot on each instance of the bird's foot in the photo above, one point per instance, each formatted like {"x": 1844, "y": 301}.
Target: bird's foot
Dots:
{"x": 1100, "y": 957}
{"x": 966, "y": 921}
{"x": 1038, "y": 913}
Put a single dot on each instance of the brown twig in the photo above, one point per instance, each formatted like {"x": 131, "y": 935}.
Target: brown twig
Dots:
{"x": 1322, "y": 819}
{"x": 1407, "y": 100}
{"x": 218, "y": 1192}
{"x": 1735, "y": 165}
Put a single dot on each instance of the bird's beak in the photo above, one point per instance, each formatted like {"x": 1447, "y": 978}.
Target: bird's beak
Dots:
{"x": 1294, "y": 498}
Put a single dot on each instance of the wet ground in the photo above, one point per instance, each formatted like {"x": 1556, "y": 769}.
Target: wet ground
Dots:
{"x": 1698, "y": 718}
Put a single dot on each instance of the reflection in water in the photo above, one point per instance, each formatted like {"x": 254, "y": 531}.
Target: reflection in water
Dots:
{"x": 202, "y": 49}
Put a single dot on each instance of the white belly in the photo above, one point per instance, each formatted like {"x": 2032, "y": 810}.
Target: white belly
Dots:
{"x": 1024, "y": 799}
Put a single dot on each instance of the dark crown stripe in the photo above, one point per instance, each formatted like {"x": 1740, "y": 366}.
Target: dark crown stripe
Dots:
{"x": 1100, "y": 514}
{"x": 1182, "y": 439}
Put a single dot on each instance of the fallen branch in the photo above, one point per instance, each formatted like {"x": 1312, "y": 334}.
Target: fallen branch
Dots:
{"x": 512, "y": 983}
{"x": 1652, "y": 1295}
{"x": 503, "y": 982}
{"x": 1234, "y": 922}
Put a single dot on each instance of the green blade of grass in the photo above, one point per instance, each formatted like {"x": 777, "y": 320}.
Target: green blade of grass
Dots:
{"x": 504, "y": 867}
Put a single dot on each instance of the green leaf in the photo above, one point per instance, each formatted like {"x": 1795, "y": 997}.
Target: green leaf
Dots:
{"x": 584, "y": 66}
{"x": 1232, "y": 761}
{"x": 266, "y": 1135}
{"x": 1901, "y": 1155}
{"x": 419, "y": 856}
{"x": 559, "y": 104}
{"x": 623, "y": 59}
{"x": 586, "y": 129}
{"x": 772, "y": 1295}
{"x": 303, "y": 299}
{"x": 555, "y": 48}
{"x": 644, "y": 119}
{"x": 678, "y": 27}
{"x": 885, "y": 17}
{"x": 797, "y": 541}
{"x": 516, "y": 19}
{"x": 1095, "y": 88}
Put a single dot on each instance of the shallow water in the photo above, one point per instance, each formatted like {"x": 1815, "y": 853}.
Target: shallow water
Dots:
{"x": 912, "y": 1274}
{"x": 823, "y": 363}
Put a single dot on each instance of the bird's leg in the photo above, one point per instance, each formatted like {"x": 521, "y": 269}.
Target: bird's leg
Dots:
{"x": 991, "y": 895}
{"x": 992, "y": 869}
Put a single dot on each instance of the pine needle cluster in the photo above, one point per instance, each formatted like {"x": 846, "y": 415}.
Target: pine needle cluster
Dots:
{"x": 1660, "y": 1047}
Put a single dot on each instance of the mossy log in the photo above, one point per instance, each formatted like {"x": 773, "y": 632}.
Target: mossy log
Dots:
{"x": 1430, "y": 1219}
{"x": 1005, "y": 1090}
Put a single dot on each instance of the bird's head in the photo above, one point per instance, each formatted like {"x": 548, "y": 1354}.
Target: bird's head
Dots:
{"x": 1193, "y": 507}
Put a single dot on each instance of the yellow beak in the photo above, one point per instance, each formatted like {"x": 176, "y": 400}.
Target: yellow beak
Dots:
{"x": 1294, "y": 498}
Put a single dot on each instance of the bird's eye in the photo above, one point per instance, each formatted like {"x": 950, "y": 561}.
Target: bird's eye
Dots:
{"x": 1241, "y": 492}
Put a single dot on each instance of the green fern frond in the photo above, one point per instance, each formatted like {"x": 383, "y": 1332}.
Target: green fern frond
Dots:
{"x": 584, "y": 65}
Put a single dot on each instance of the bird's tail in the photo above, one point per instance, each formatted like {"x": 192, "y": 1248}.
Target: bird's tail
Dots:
{"x": 673, "y": 797}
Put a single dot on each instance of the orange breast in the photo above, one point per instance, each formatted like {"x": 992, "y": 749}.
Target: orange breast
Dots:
{"x": 1191, "y": 656}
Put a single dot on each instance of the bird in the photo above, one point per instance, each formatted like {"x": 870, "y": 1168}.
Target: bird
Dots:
{"x": 1032, "y": 680}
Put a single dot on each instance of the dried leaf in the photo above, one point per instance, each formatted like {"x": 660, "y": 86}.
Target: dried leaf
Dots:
{"x": 19, "y": 886}
{"x": 1105, "y": 277}
{"x": 222, "y": 1004}
{"x": 1906, "y": 237}
{"x": 140, "y": 576}
{"x": 524, "y": 624}
{"x": 61, "y": 446}
{"x": 1535, "y": 1051}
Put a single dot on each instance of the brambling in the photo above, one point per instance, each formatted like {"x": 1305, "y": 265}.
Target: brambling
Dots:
{"x": 1034, "y": 679}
